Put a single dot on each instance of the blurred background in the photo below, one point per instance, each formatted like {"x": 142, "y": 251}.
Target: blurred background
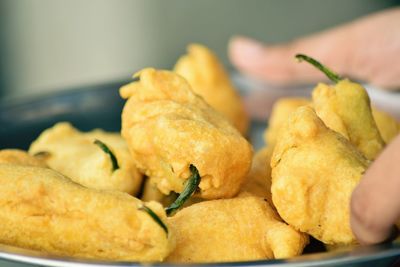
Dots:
{"x": 48, "y": 45}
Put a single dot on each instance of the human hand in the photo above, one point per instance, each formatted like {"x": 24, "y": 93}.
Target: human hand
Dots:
{"x": 367, "y": 49}
{"x": 375, "y": 203}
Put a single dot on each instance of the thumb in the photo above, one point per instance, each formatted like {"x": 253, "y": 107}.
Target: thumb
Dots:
{"x": 375, "y": 202}
{"x": 276, "y": 63}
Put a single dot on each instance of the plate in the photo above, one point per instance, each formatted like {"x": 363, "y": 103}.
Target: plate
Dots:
{"x": 21, "y": 121}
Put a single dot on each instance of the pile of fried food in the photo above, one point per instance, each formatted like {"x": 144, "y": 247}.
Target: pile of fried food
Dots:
{"x": 181, "y": 183}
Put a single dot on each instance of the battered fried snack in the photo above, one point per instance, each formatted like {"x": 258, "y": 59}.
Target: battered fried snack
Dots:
{"x": 388, "y": 126}
{"x": 346, "y": 109}
{"x": 208, "y": 78}
{"x": 83, "y": 157}
{"x": 314, "y": 172}
{"x": 20, "y": 157}
{"x": 280, "y": 113}
{"x": 168, "y": 128}
{"x": 41, "y": 209}
{"x": 237, "y": 229}
{"x": 258, "y": 181}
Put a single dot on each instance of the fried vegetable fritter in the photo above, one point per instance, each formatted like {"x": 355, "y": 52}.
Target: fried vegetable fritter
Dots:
{"x": 41, "y": 209}
{"x": 75, "y": 154}
{"x": 314, "y": 172}
{"x": 238, "y": 229}
{"x": 168, "y": 128}
{"x": 208, "y": 78}
{"x": 346, "y": 109}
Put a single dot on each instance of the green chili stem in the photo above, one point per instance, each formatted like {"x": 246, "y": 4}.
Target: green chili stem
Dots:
{"x": 106, "y": 150}
{"x": 190, "y": 187}
{"x": 155, "y": 217}
{"x": 329, "y": 73}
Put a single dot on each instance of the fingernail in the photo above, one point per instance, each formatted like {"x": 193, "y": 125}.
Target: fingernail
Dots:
{"x": 244, "y": 50}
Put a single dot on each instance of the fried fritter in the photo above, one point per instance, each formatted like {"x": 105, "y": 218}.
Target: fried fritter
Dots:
{"x": 280, "y": 113}
{"x": 168, "y": 127}
{"x": 20, "y": 157}
{"x": 388, "y": 126}
{"x": 238, "y": 229}
{"x": 74, "y": 154}
{"x": 346, "y": 109}
{"x": 41, "y": 209}
{"x": 208, "y": 78}
{"x": 258, "y": 181}
{"x": 314, "y": 172}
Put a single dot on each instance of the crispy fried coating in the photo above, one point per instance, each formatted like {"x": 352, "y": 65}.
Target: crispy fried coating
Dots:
{"x": 258, "y": 181}
{"x": 208, "y": 78}
{"x": 237, "y": 229}
{"x": 74, "y": 154}
{"x": 346, "y": 109}
{"x": 388, "y": 126}
{"x": 151, "y": 193}
{"x": 20, "y": 157}
{"x": 280, "y": 113}
{"x": 314, "y": 172}
{"x": 40, "y": 209}
{"x": 168, "y": 127}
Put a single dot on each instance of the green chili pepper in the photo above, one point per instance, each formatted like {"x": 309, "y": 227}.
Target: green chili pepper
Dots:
{"x": 106, "y": 150}
{"x": 329, "y": 73}
{"x": 154, "y": 216}
{"x": 190, "y": 187}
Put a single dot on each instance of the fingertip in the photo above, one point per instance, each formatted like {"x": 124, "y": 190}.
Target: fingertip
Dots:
{"x": 258, "y": 60}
